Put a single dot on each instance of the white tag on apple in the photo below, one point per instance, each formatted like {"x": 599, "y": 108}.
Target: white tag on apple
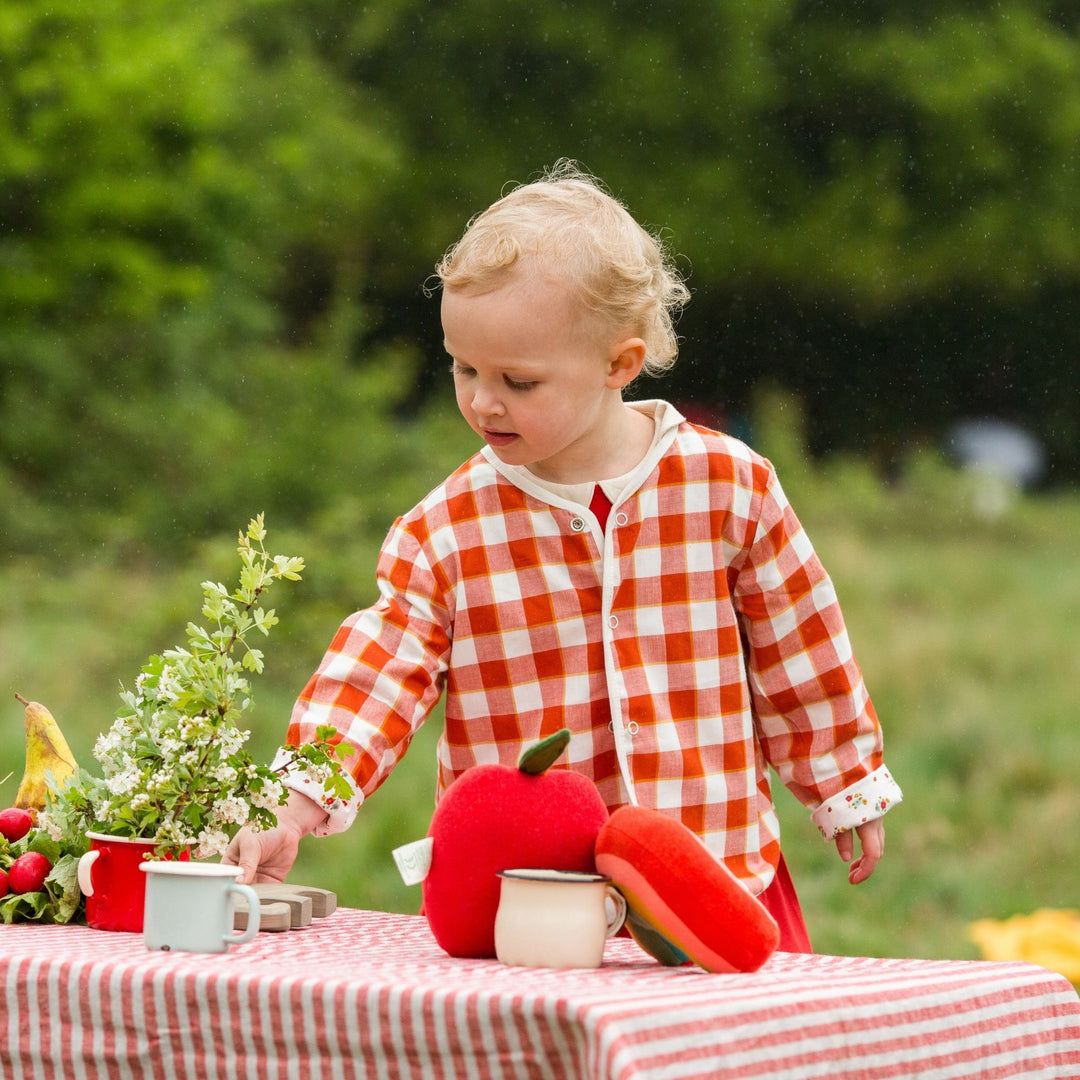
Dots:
{"x": 414, "y": 860}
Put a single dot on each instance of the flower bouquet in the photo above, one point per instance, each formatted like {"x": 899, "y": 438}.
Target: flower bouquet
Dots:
{"x": 175, "y": 769}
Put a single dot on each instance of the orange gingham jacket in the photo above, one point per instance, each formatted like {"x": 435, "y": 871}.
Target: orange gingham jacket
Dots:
{"x": 696, "y": 642}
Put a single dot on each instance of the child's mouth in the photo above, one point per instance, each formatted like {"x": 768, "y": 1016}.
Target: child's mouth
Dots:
{"x": 499, "y": 438}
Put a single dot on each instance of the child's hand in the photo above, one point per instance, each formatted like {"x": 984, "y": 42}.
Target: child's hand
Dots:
{"x": 267, "y": 856}
{"x": 872, "y": 842}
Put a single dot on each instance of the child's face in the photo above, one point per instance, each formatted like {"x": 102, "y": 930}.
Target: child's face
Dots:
{"x": 531, "y": 377}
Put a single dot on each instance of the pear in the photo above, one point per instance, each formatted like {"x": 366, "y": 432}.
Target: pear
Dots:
{"x": 47, "y": 752}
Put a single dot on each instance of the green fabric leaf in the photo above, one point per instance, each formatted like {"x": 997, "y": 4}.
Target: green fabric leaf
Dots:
{"x": 539, "y": 757}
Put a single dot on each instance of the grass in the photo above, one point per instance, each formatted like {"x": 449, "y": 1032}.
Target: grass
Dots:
{"x": 965, "y": 629}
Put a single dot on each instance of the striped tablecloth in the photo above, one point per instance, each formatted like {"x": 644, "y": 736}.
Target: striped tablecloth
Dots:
{"x": 366, "y": 994}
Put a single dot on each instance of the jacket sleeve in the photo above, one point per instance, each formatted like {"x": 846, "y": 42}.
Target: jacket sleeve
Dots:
{"x": 381, "y": 676}
{"x": 816, "y": 724}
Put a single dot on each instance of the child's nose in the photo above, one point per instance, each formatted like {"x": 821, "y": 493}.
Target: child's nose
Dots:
{"x": 486, "y": 402}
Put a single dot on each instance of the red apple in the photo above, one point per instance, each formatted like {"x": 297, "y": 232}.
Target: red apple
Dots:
{"x": 3, "y": 883}
{"x": 496, "y": 817}
{"x": 15, "y": 824}
{"x": 28, "y": 872}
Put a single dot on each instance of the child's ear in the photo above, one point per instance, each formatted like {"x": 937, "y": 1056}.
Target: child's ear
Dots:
{"x": 625, "y": 360}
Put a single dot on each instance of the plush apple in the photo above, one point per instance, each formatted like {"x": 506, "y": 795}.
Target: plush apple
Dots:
{"x": 15, "y": 823}
{"x": 495, "y": 817}
{"x": 28, "y": 872}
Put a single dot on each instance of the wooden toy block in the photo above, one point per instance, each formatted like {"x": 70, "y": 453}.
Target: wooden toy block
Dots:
{"x": 299, "y": 906}
{"x": 323, "y": 901}
{"x": 273, "y": 917}
{"x": 287, "y": 907}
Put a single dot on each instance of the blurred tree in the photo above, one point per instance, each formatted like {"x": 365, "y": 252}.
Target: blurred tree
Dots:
{"x": 170, "y": 196}
{"x": 839, "y": 178}
{"x": 877, "y": 207}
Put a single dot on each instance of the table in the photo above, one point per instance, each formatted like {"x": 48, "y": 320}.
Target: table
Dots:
{"x": 368, "y": 994}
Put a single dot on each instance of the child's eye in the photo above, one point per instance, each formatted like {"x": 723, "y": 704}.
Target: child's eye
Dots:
{"x": 514, "y": 384}
{"x": 460, "y": 369}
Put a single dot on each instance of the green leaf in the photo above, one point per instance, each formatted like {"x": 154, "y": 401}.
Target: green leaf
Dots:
{"x": 288, "y": 568}
{"x": 24, "y": 907}
{"x": 63, "y": 884}
{"x": 540, "y": 756}
{"x": 40, "y": 841}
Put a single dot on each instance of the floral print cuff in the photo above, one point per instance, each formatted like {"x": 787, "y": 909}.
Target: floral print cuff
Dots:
{"x": 340, "y": 813}
{"x": 863, "y": 801}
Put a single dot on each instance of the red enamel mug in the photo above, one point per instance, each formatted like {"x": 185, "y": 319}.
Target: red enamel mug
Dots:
{"x": 112, "y": 883}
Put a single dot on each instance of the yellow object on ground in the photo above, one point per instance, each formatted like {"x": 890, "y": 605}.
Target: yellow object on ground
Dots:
{"x": 1049, "y": 937}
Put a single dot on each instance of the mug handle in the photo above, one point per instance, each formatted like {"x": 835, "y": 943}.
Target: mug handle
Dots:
{"x": 86, "y": 861}
{"x": 615, "y": 907}
{"x": 252, "y": 928}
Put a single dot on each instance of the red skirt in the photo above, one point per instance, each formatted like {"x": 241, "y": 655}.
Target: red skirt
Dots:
{"x": 783, "y": 904}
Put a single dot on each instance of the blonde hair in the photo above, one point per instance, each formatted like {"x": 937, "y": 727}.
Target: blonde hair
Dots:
{"x": 575, "y": 231}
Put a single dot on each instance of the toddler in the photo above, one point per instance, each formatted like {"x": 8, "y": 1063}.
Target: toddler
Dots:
{"x": 601, "y": 565}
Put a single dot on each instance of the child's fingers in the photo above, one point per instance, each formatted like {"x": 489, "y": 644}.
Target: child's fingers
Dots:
{"x": 861, "y": 869}
{"x": 872, "y": 842}
{"x": 845, "y": 846}
{"x": 244, "y": 851}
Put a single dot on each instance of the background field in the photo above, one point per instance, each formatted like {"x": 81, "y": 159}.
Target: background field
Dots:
{"x": 965, "y": 628}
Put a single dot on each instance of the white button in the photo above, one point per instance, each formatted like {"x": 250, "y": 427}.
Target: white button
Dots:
{"x": 613, "y": 621}
{"x": 621, "y": 518}
{"x": 632, "y": 727}
{"x": 577, "y": 524}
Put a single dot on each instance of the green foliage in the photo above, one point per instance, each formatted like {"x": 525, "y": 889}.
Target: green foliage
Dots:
{"x": 875, "y": 205}
{"x": 171, "y": 198}
{"x": 295, "y": 433}
{"x": 876, "y": 157}
{"x": 909, "y": 152}
{"x": 175, "y": 769}
{"x": 60, "y": 899}
{"x": 159, "y": 169}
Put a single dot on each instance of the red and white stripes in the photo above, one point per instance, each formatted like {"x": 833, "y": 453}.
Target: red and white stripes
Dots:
{"x": 370, "y": 995}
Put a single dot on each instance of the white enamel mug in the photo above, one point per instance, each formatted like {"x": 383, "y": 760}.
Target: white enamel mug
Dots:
{"x": 190, "y": 907}
{"x": 555, "y": 918}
